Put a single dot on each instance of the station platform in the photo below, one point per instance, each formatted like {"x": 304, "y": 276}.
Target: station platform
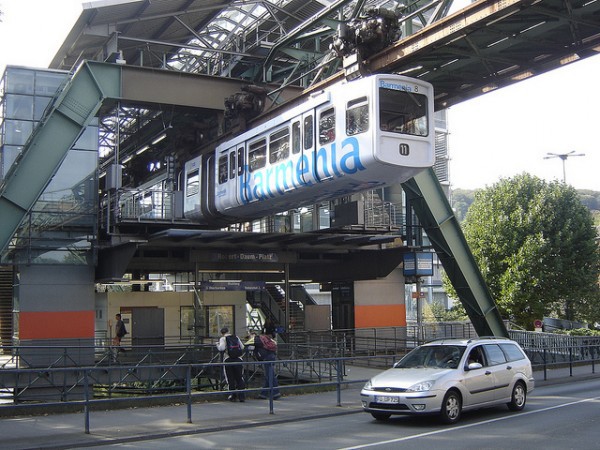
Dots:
{"x": 115, "y": 426}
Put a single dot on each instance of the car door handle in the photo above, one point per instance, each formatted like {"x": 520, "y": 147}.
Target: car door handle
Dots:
{"x": 487, "y": 372}
{"x": 508, "y": 367}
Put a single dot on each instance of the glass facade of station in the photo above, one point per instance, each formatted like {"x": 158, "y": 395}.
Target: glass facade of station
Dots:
{"x": 61, "y": 227}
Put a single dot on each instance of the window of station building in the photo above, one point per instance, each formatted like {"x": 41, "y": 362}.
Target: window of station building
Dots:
{"x": 187, "y": 322}
{"x": 18, "y": 107}
{"x": 357, "y": 116}
{"x": 222, "y": 169}
{"x": 308, "y": 132}
{"x": 193, "y": 183}
{"x": 47, "y": 83}
{"x": 19, "y": 81}
{"x": 232, "y": 164}
{"x": 296, "y": 137}
{"x": 327, "y": 126}
{"x": 279, "y": 145}
{"x": 17, "y": 131}
{"x": 218, "y": 317}
{"x": 403, "y": 112}
{"x": 257, "y": 155}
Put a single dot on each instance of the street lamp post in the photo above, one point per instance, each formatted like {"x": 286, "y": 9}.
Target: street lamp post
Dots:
{"x": 563, "y": 157}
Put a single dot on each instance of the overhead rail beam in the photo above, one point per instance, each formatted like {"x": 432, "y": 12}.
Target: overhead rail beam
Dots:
{"x": 490, "y": 44}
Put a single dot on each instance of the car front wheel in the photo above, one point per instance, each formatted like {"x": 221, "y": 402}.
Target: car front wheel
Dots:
{"x": 518, "y": 398}
{"x": 451, "y": 407}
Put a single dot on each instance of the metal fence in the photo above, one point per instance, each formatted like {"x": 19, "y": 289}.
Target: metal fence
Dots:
{"x": 188, "y": 371}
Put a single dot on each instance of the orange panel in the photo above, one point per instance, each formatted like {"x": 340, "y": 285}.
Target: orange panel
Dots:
{"x": 370, "y": 316}
{"x": 56, "y": 324}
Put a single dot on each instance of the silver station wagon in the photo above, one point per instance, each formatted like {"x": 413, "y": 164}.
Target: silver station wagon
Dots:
{"x": 449, "y": 376}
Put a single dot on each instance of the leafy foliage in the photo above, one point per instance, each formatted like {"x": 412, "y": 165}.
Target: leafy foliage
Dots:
{"x": 440, "y": 314}
{"x": 535, "y": 245}
{"x": 579, "y": 332}
{"x": 462, "y": 198}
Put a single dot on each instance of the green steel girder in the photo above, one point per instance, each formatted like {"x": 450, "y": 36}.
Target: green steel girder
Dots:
{"x": 50, "y": 142}
{"x": 437, "y": 218}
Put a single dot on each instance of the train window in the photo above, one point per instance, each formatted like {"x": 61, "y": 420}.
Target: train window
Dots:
{"x": 222, "y": 169}
{"x": 403, "y": 112}
{"x": 257, "y": 155}
{"x": 357, "y": 116}
{"x": 192, "y": 185}
{"x": 279, "y": 145}
{"x": 240, "y": 160}
{"x": 308, "y": 132}
{"x": 232, "y": 165}
{"x": 327, "y": 126}
{"x": 296, "y": 137}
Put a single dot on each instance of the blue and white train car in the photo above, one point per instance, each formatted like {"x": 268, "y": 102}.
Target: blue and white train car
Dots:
{"x": 351, "y": 137}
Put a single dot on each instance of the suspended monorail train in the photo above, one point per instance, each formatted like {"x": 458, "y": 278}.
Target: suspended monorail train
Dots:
{"x": 350, "y": 137}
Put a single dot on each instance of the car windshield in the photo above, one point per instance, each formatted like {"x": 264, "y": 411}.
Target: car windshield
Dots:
{"x": 442, "y": 356}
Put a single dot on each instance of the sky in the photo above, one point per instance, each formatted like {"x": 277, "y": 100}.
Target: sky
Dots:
{"x": 498, "y": 135}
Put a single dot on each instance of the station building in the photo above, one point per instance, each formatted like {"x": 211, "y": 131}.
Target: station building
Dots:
{"x": 106, "y": 234}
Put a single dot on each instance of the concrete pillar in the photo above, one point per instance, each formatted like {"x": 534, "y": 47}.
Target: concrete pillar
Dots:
{"x": 55, "y": 307}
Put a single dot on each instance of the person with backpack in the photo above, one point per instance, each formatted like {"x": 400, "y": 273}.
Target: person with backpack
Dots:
{"x": 265, "y": 349}
{"x": 232, "y": 349}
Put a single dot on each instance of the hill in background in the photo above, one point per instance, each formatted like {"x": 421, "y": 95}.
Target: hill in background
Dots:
{"x": 461, "y": 199}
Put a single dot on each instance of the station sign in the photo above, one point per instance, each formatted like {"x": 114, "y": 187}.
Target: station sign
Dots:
{"x": 245, "y": 257}
{"x": 213, "y": 286}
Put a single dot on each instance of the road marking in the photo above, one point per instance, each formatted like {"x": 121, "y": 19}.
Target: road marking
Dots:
{"x": 485, "y": 422}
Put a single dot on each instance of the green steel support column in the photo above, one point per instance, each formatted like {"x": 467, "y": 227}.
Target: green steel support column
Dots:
{"x": 437, "y": 218}
{"x": 48, "y": 145}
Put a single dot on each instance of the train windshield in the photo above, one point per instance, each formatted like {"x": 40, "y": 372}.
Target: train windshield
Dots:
{"x": 403, "y": 112}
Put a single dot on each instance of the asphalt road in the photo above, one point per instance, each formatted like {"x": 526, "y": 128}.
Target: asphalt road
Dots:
{"x": 561, "y": 416}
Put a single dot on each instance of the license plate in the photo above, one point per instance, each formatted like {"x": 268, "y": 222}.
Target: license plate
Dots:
{"x": 386, "y": 399}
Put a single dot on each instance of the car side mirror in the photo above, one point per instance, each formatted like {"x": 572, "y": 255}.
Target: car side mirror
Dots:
{"x": 474, "y": 365}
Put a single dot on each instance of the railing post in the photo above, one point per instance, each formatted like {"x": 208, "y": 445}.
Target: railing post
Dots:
{"x": 270, "y": 366}
{"x": 86, "y": 406}
{"x": 188, "y": 388}
{"x": 339, "y": 382}
{"x": 570, "y": 361}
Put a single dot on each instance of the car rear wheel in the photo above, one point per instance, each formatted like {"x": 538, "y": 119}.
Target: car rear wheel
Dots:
{"x": 381, "y": 416}
{"x": 451, "y": 407}
{"x": 518, "y": 398}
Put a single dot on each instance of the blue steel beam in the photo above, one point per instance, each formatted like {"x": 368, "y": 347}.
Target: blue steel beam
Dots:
{"x": 437, "y": 218}
{"x": 48, "y": 145}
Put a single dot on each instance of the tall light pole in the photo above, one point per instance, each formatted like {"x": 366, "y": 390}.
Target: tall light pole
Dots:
{"x": 564, "y": 157}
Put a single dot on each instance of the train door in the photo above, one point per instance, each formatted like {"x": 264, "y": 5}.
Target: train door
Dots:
{"x": 308, "y": 148}
{"x": 240, "y": 173}
{"x": 226, "y": 188}
{"x": 208, "y": 186}
{"x": 192, "y": 188}
{"x": 326, "y": 134}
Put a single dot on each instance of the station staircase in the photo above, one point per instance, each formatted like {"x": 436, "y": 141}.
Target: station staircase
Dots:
{"x": 270, "y": 304}
{"x": 6, "y": 309}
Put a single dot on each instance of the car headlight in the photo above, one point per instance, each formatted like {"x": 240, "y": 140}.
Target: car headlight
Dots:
{"x": 422, "y": 386}
{"x": 368, "y": 386}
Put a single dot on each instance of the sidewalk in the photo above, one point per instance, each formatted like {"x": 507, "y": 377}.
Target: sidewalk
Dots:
{"x": 67, "y": 430}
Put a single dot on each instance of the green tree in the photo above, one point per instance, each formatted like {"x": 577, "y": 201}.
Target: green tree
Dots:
{"x": 535, "y": 244}
{"x": 461, "y": 200}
